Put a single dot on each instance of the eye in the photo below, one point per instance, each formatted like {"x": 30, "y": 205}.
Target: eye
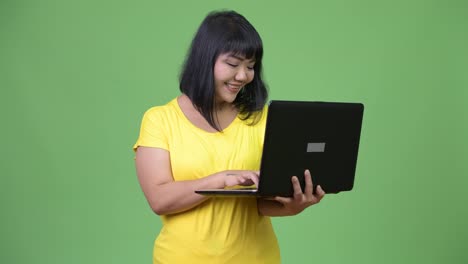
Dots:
{"x": 232, "y": 64}
{"x": 251, "y": 68}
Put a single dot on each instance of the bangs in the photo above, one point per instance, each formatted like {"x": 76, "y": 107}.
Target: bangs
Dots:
{"x": 241, "y": 45}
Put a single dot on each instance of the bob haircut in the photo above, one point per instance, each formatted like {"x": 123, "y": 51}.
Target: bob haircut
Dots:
{"x": 219, "y": 33}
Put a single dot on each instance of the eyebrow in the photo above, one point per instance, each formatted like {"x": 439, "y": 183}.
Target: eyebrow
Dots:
{"x": 240, "y": 58}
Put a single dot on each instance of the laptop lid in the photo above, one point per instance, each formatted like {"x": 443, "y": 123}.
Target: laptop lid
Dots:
{"x": 320, "y": 136}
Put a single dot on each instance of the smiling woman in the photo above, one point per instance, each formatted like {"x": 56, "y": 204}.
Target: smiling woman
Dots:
{"x": 209, "y": 137}
{"x": 224, "y": 39}
{"x": 231, "y": 74}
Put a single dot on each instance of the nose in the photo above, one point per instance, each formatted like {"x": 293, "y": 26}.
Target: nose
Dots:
{"x": 241, "y": 75}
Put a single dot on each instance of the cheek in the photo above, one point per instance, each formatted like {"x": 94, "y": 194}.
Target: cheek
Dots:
{"x": 251, "y": 76}
{"x": 216, "y": 73}
{"x": 220, "y": 73}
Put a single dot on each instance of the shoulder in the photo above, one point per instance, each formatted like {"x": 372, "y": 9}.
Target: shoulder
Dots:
{"x": 161, "y": 112}
{"x": 155, "y": 127}
{"x": 161, "y": 117}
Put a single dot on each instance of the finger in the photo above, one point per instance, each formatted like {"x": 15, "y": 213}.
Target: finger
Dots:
{"x": 237, "y": 178}
{"x": 246, "y": 181}
{"x": 251, "y": 176}
{"x": 241, "y": 180}
{"x": 309, "y": 186}
{"x": 296, "y": 187}
{"x": 255, "y": 180}
{"x": 283, "y": 200}
{"x": 320, "y": 192}
{"x": 248, "y": 173}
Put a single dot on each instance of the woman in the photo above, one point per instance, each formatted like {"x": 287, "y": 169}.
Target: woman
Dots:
{"x": 211, "y": 136}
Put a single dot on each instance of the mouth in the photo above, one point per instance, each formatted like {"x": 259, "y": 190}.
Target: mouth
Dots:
{"x": 234, "y": 88}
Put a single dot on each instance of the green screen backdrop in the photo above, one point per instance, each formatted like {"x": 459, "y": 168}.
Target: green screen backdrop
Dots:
{"x": 77, "y": 76}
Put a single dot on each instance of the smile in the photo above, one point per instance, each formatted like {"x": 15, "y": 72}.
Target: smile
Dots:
{"x": 235, "y": 87}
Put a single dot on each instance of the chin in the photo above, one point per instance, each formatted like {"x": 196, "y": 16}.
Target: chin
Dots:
{"x": 228, "y": 99}
{"x": 225, "y": 97}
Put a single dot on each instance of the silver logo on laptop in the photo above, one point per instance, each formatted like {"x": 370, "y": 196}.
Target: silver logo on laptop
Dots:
{"x": 316, "y": 147}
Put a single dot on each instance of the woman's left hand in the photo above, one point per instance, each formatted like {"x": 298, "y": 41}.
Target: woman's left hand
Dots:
{"x": 301, "y": 200}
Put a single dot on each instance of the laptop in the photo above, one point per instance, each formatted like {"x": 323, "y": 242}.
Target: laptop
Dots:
{"x": 320, "y": 136}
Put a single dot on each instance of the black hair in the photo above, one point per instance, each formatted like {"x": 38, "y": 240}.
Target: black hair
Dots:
{"x": 223, "y": 32}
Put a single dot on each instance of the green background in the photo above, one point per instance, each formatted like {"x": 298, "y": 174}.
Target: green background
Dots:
{"x": 76, "y": 77}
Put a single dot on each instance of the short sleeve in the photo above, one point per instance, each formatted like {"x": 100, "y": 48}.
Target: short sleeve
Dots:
{"x": 153, "y": 130}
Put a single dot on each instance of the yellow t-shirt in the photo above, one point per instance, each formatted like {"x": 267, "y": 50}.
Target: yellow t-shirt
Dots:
{"x": 220, "y": 230}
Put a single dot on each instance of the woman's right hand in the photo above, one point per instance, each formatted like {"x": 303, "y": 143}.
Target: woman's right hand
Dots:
{"x": 239, "y": 177}
{"x": 167, "y": 196}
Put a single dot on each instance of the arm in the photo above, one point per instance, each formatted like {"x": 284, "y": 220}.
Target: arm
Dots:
{"x": 166, "y": 196}
{"x": 287, "y": 206}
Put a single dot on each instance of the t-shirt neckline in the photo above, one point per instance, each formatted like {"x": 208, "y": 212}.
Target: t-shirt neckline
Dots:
{"x": 175, "y": 102}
